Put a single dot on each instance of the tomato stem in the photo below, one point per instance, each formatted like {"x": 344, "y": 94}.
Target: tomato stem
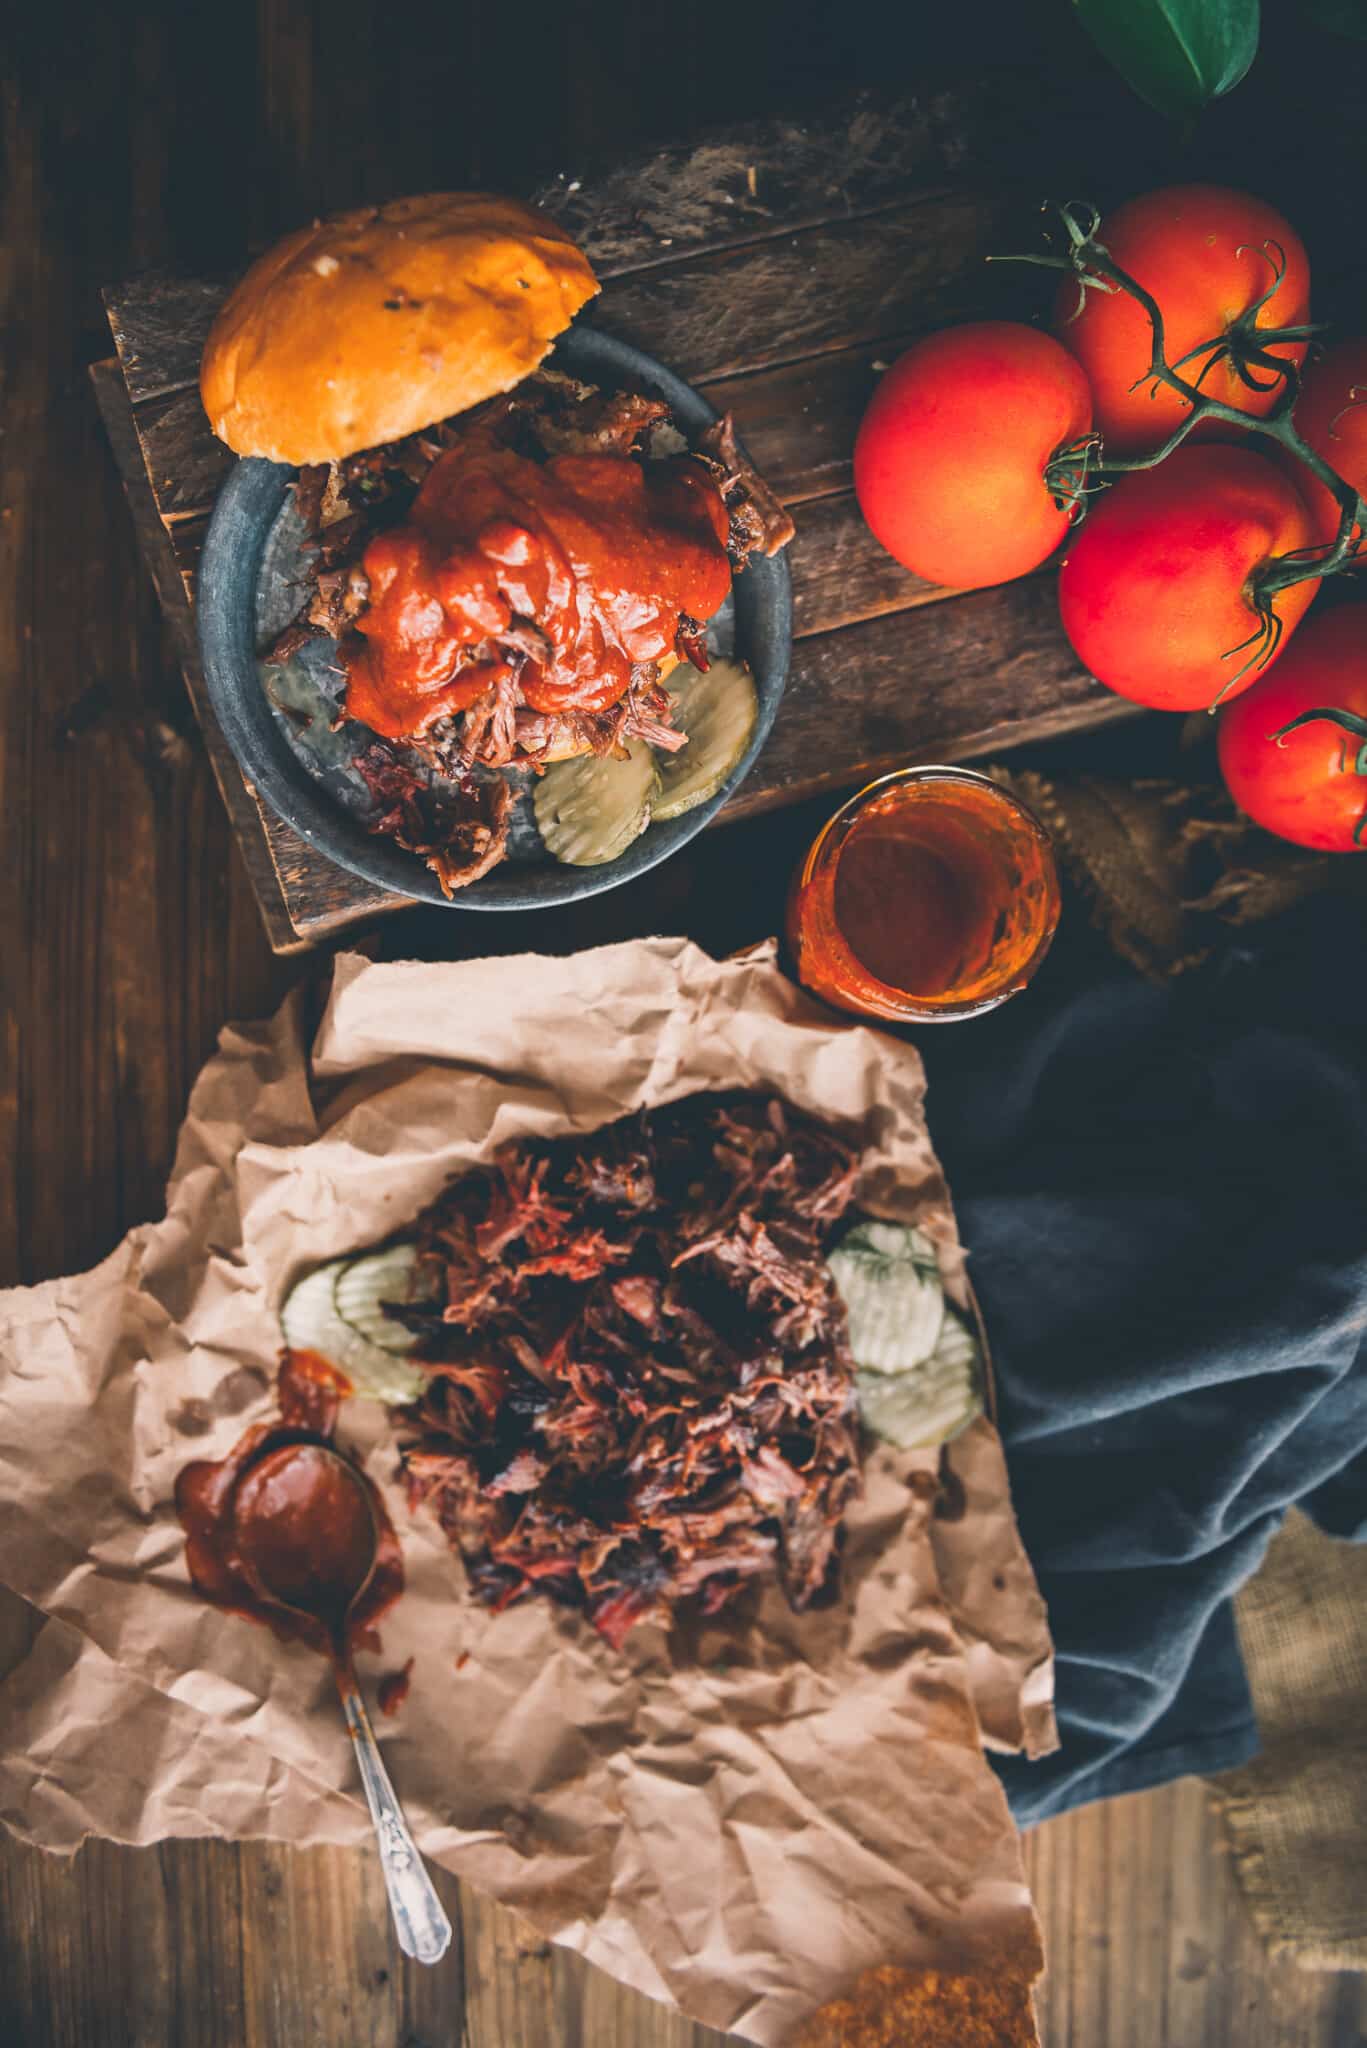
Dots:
{"x": 1350, "y": 723}
{"x": 1347, "y": 720}
{"x": 1248, "y": 347}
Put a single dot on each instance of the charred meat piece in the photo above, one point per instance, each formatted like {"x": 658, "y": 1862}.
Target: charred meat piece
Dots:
{"x": 460, "y": 836}
{"x": 759, "y": 524}
{"x": 640, "y": 1392}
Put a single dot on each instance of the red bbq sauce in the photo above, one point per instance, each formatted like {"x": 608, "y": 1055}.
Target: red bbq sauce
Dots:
{"x": 274, "y": 1499}
{"x": 601, "y": 552}
{"x": 393, "y": 1689}
{"x": 309, "y": 1390}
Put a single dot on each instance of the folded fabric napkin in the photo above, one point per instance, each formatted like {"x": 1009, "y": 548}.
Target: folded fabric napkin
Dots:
{"x": 1163, "y": 1189}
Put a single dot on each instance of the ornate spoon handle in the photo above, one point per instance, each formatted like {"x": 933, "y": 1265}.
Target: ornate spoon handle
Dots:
{"x": 420, "y": 1920}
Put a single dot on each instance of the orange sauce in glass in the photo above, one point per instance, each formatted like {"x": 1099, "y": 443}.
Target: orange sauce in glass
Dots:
{"x": 931, "y": 895}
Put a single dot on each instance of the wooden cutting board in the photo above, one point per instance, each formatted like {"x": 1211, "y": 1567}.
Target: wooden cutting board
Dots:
{"x": 777, "y": 268}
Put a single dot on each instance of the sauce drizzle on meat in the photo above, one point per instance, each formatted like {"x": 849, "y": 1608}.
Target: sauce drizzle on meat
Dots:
{"x": 567, "y": 574}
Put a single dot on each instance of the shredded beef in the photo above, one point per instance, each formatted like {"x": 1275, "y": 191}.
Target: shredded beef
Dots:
{"x": 291, "y": 640}
{"x": 640, "y": 1391}
{"x": 759, "y": 524}
{"x": 460, "y": 834}
{"x": 552, "y": 414}
{"x": 691, "y": 642}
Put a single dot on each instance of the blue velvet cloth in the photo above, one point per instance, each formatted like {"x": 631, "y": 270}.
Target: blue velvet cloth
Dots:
{"x": 1164, "y": 1195}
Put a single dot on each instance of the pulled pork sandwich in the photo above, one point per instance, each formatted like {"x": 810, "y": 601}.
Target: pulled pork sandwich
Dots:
{"x": 509, "y": 561}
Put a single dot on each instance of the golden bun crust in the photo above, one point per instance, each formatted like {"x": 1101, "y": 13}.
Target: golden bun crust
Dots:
{"x": 375, "y": 324}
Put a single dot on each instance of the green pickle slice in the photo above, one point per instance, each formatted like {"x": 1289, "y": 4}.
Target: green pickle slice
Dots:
{"x": 310, "y": 1321}
{"x": 590, "y": 809}
{"x": 718, "y": 711}
{"x": 919, "y": 1369}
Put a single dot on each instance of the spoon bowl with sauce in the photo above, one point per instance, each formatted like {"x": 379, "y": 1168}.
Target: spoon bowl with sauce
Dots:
{"x": 307, "y": 1541}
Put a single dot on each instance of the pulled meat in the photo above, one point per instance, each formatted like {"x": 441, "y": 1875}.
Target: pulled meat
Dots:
{"x": 552, "y": 414}
{"x": 461, "y": 834}
{"x": 640, "y": 1389}
{"x": 759, "y": 524}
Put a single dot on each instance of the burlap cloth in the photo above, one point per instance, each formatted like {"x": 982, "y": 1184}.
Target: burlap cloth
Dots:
{"x": 1170, "y": 873}
{"x": 1297, "y": 1815}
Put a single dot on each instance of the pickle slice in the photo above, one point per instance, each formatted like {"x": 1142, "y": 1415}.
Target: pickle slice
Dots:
{"x": 718, "y": 711}
{"x": 309, "y": 1321}
{"x": 367, "y": 1284}
{"x": 930, "y": 1402}
{"x": 888, "y": 1277}
{"x": 918, "y": 1369}
{"x": 590, "y": 809}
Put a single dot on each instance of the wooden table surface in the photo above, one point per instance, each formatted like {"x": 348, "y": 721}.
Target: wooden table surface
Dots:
{"x": 162, "y": 135}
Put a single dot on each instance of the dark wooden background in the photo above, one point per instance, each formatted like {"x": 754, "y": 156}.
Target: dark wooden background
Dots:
{"x": 160, "y": 134}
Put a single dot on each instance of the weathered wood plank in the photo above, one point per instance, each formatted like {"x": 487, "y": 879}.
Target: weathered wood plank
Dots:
{"x": 759, "y": 179}
{"x": 841, "y": 574}
{"x": 798, "y": 421}
{"x": 159, "y": 324}
{"x": 914, "y": 267}
{"x": 186, "y": 463}
{"x": 1147, "y": 1941}
{"x": 155, "y": 549}
{"x": 943, "y": 681}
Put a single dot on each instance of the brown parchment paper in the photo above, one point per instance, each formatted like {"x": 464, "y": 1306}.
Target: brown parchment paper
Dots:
{"x": 740, "y": 1817}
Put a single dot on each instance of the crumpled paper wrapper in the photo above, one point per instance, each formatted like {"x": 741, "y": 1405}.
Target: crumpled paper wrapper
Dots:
{"x": 741, "y": 1816}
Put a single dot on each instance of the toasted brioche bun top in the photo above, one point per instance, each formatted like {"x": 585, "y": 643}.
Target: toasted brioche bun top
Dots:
{"x": 375, "y": 324}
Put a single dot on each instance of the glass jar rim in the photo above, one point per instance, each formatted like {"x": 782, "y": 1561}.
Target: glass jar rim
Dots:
{"x": 825, "y": 851}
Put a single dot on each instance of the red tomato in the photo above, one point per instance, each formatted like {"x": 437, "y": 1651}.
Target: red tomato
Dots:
{"x": 1311, "y": 786}
{"x": 950, "y": 459}
{"x": 1334, "y": 422}
{"x": 1202, "y": 252}
{"x": 1154, "y": 591}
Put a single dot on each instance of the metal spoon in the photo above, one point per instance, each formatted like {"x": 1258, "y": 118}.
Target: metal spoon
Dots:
{"x": 308, "y": 1542}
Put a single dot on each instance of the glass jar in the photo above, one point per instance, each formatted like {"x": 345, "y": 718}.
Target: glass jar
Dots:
{"x": 931, "y": 895}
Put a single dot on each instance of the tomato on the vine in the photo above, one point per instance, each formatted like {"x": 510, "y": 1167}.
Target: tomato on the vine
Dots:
{"x": 1331, "y": 415}
{"x": 1207, "y": 255}
{"x": 1310, "y": 784}
{"x": 1157, "y": 591}
{"x": 949, "y": 464}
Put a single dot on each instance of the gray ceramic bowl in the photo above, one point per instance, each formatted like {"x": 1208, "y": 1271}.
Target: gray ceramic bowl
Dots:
{"x": 278, "y": 720}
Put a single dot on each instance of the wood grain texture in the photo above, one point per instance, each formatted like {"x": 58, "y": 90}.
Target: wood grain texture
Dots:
{"x": 130, "y": 932}
{"x": 968, "y": 676}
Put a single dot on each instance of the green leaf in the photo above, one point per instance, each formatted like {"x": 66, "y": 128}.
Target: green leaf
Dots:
{"x": 1176, "y": 54}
